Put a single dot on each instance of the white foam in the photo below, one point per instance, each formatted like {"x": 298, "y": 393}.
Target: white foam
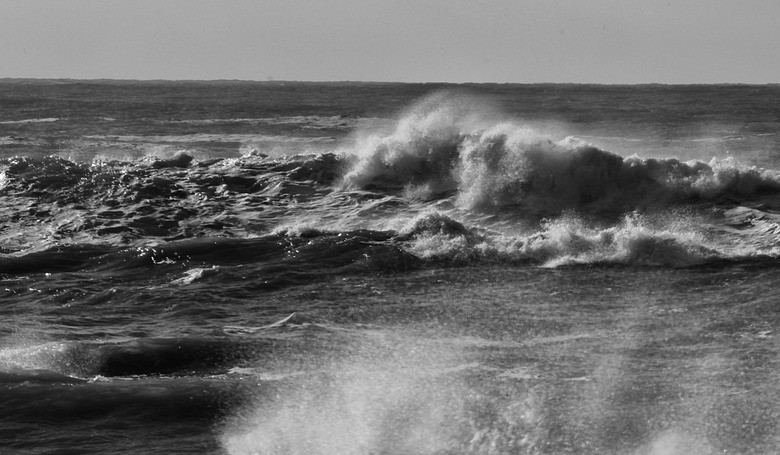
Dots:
{"x": 195, "y": 274}
{"x": 569, "y": 240}
{"x": 31, "y": 120}
{"x": 449, "y": 143}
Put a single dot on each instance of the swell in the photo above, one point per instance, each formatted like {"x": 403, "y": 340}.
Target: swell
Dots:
{"x": 279, "y": 257}
{"x": 430, "y": 239}
{"x": 127, "y": 381}
{"x": 56, "y": 362}
{"x": 131, "y": 402}
{"x": 192, "y": 377}
{"x": 218, "y": 352}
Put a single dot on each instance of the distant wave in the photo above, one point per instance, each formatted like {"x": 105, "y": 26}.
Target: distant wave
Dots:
{"x": 30, "y": 120}
{"x": 211, "y": 137}
{"x": 301, "y": 121}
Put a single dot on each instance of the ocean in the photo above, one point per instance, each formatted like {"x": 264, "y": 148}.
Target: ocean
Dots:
{"x": 371, "y": 268}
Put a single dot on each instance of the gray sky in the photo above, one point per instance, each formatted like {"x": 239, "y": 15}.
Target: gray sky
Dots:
{"x": 602, "y": 41}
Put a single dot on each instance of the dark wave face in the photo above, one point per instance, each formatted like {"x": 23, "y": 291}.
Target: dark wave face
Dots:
{"x": 297, "y": 269}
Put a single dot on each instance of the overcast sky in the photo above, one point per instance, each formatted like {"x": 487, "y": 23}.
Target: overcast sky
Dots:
{"x": 601, "y": 41}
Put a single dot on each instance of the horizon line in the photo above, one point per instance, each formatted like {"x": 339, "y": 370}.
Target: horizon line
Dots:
{"x": 347, "y": 81}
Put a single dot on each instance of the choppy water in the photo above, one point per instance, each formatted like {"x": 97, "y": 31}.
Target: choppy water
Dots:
{"x": 292, "y": 268}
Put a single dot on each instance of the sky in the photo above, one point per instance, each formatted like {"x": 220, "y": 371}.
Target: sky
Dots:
{"x": 523, "y": 41}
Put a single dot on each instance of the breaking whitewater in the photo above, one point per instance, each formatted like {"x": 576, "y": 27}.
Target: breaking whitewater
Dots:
{"x": 290, "y": 268}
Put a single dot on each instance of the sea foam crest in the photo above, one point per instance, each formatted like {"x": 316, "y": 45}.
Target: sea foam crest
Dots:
{"x": 447, "y": 145}
{"x": 567, "y": 240}
{"x": 423, "y": 148}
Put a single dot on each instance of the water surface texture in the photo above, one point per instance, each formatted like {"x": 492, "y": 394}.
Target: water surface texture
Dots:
{"x": 349, "y": 268}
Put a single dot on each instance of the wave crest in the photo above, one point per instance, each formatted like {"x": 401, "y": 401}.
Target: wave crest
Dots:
{"x": 567, "y": 240}
{"x": 423, "y": 148}
{"x": 444, "y": 147}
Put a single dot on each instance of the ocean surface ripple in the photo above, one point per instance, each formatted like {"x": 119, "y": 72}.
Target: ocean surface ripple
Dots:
{"x": 290, "y": 268}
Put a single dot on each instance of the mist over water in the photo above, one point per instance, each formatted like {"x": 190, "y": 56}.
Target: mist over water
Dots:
{"x": 388, "y": 268}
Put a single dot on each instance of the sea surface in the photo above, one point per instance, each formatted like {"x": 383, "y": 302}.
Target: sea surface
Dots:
{"x": 363, "y": 268}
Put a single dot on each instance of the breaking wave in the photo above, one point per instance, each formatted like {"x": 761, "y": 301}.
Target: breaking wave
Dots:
{"x": 567, "y": 240}
{"x": 442, "y": 148}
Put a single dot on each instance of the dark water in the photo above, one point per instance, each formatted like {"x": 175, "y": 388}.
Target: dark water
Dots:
{"x": 293, "y": 268}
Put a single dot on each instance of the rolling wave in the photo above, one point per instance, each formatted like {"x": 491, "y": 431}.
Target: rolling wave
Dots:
{"x": 499, "y": 165}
